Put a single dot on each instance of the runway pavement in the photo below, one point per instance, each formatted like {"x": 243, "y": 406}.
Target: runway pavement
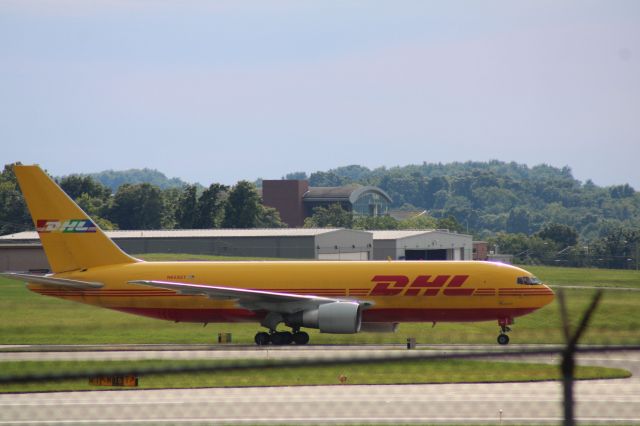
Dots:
{"x": 602, "y": 401}
{"x": 183, "y": 352}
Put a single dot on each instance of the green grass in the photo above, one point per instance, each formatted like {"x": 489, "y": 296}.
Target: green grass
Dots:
{"x": 402, "y": 372}
{"x": 28, "y": 318}
{"x": 591, "y": 277}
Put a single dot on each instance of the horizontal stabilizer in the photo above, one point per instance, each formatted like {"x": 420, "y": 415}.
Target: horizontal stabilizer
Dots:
{"x": 49, "y": 280}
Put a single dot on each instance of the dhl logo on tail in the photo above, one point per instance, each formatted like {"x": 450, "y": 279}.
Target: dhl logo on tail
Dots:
{"x": 67, "y": 226}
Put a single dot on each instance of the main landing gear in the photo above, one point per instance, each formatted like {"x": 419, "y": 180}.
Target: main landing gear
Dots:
{"x": 504, "y": 323}
{"x": 280, "y": 338}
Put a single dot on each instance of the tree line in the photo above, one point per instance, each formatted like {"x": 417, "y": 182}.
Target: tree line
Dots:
{"x": 334, "y": 216}
{"x": 146, "y": 206}
{"x": 618, "y": 247}
{"x": 540, "y": 214}
{"x": 555, "y": 244}
{"x": 488, "y": 198}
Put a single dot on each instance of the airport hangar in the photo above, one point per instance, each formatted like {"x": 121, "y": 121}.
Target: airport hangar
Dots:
{"x": 437, "y": 244}
{"x": 23, "y": 251}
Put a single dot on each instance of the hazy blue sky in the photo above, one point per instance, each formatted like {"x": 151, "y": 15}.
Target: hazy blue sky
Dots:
{"x": 221, "y": 91}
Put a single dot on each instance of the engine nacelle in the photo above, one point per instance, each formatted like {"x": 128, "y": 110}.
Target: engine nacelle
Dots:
{"x": 335, "y": 317}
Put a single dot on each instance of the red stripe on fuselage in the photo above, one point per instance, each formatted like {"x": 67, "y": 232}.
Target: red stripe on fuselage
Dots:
{"x": 371, "y": 315}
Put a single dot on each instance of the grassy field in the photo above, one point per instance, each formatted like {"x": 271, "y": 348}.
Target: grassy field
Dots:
{"x": 405, "y": 372}
{"x": 28, "y": 318}
{"x": 590, "y": 277}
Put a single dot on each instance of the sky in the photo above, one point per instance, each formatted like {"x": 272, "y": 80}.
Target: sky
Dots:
{"x": 219, "y": 91}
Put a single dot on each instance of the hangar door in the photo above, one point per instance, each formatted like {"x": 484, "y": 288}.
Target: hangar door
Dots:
{"x": 359, "y": 255}
{"x": 426, "y": 254}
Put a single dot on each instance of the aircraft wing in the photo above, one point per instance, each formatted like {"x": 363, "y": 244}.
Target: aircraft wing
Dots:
{"x": 285, "y": 303}
{"x": 51, "y": 281}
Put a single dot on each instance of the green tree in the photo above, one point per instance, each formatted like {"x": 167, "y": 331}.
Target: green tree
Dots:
{"x": 138, "y": 206}
{"x": 243, "y": 207}
{"x": 170, "y": 204}
{"x": 186, "y": 211}
{"x": 352, "y": 172}
{"x": 525, "y": 249}
{"x": 518, "y": 221}
{"x": 617, "y": 248}
{"x": 296, "y": 176}
{"x": 449, "y": 223}
{"x": 14, "y": 216}
{"x": 104, "y": 224}
{"x": 326, "y": 179}
{"x": 92, "y": 197}
{"x": 375, "y": 222}
{"x": 423, "y": 221}
{"x": 563, "y": 235}
{"x": 76, "y": 185}
{"x": 269, "y": 217}
{"x": 115, "y": 179}
{"x": 433, "y": 185}
{"x": 210, "y": 207}
{"x": 95, "y": 207}
{"x": 333, "y": 216}
{"x": 621, "y": 191}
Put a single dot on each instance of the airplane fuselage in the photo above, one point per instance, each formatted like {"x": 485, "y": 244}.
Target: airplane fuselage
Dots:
{"x": 399, "y": 291}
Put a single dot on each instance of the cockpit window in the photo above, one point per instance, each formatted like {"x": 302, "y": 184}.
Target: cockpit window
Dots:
{"x": 529, "y": 280}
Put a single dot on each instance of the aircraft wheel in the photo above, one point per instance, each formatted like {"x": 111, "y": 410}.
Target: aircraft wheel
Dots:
{"x": 503, "y": 339}
{"x": 262, "y": 339}
{"x": 281, "y": 338}
{"x": 287, "y": 337}
{"x": 301, "y": 338}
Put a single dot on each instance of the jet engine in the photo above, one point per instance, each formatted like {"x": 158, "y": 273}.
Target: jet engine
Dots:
{"x": 335, "y": 317}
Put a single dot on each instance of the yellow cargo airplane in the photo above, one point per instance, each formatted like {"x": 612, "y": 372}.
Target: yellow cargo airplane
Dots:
{"x": 332, "y": 296}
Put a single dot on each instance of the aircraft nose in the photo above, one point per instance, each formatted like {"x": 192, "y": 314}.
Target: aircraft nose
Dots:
{"x": 549, "y": 295}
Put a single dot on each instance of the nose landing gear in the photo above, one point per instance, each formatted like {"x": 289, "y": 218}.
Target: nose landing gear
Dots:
{"x": 504, "y": 323}
{"x": 503, "y": 339}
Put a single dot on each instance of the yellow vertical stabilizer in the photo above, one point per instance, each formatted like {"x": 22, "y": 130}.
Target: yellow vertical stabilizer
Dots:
{"x": 71, "y": 240}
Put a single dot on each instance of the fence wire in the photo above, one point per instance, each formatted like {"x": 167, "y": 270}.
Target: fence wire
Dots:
{"x": 274, "y": 388}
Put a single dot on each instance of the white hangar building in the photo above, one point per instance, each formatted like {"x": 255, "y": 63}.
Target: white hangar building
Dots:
{"x": 437, "y": 244}
{"x": 23, "y": 251}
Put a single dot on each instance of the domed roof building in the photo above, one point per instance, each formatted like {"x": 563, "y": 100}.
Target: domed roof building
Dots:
{"x": 295, "y": 200}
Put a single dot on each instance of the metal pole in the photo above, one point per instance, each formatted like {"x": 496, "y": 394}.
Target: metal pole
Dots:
{"x": 568, "y": 355}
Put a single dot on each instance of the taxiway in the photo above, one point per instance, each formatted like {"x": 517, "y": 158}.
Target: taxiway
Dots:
{"x": 599, "y": 401}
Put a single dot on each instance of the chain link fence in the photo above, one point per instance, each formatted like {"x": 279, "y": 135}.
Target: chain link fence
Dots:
{"x": 364, "y": 384}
